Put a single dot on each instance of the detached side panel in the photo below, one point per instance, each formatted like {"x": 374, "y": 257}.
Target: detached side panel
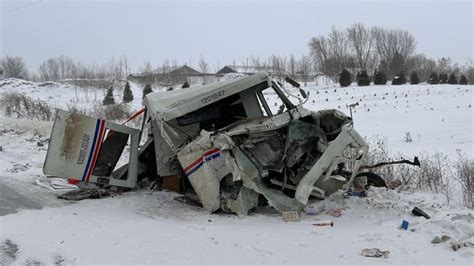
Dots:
{"x": 74, "y": 139}
{"x": 79, "y": 148}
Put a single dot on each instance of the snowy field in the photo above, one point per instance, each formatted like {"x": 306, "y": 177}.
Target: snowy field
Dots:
{"x": 152, "y": 227}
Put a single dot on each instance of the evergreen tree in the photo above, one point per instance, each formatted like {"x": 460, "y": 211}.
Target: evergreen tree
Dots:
{"x": 363, "y": 78}
{"x": 463, "y": 80}
{"x": 109, "y": 97}
{"x": 399, "y": 79}
{"x": 147, "y": 90}
{"x": 185, "y": 85}
{"x": 452, "y": 79}
{"x": 127, "y": 94}
{"x": 380, "y": 78}
{"x": 443, "y": 78}
{"x": 414, "y": 78}
{"x": 434, "y": 79}
{"x": 345, "y": 78}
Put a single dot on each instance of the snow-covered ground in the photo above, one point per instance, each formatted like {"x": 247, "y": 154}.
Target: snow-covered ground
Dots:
{"x": 152, "y": 227}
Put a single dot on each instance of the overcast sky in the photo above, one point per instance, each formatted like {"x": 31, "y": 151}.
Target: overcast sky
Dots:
{"x": 93, "y": 31}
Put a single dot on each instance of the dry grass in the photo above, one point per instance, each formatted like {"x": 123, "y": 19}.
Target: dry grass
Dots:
{"x": 436, "y": 173}
{"x": 19, "y": 105}
{"x": 465, "y": 173}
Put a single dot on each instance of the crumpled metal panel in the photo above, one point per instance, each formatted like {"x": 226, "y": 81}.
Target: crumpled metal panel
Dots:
{"x": 205, "y": 165}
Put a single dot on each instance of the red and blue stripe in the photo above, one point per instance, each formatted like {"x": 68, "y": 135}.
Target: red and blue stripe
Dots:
{"x": 94, "y": 153}
{"x": 196, "y": 164}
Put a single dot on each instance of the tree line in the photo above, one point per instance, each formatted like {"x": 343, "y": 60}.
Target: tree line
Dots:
{"x": 356, "y": 48}
{"x": 376, "y": 49}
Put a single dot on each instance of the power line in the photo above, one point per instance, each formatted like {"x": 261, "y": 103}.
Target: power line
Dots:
{"x": 21, "y": 7}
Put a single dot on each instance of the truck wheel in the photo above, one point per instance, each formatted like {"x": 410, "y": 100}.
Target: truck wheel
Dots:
{"x": 373, "y": 179}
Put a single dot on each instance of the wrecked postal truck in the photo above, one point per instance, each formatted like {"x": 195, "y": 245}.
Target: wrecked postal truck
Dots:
{"x": 220, "y": 142}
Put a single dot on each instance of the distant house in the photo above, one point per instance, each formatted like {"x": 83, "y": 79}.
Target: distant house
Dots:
{"x": 242, "y": 70}
{"x": 167, "y": 76}
{"x": 178, "y": 70}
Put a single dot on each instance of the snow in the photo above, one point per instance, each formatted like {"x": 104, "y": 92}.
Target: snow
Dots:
{"x": 152, "y": 227}
{"x": 438, "y": 117}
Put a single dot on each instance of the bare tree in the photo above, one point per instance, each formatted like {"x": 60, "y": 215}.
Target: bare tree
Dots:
{"x": 468, "y": 70}
{"x": 445, "y": 65}
{"x": 146, "y": 68}
{"x": 292, "y": 67}
{"x": 278, "y": 65}
{"x": 14, "y": 67}
{"x": 423, "y": 66}
{"x": 391, "y": 44}
{"x": 217, "y": 67}
{"x": 304, "y": 68}
{"x": 338, "y": 45}
{"x": 322, "y": 57}
{"x": 58, "y": 68}
{"x": 204, "y": 67}
{"x": 361, "y": 43}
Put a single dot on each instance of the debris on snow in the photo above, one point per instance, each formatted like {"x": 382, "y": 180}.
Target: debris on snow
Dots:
{"x": 457, "y": 246}
{"x": 419, "y": 212}
{"x": 19, "y": 168}
{"x": 441, "y": 239}
{"x": 324, "y": 223}
{"x": 335, "y": 212}
{"x": 290, "y": 216}
{"x": 315, "y": 208}
{"x": 404, "y": 225}
{"x": 375, "y": 253}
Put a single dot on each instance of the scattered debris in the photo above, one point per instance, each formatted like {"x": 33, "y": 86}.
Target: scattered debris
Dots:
{"x": 9, "y": 248}
{"x": 393, "y": 184}
{"x": 441, "y": 239}
{"x": 315, "y": 208}
{"x": 404, "y": 225}
{"x": 419, "y": 212}
{"x": 56, "y": 184}
{"x": 335, "y": 212}
{"x": 290, "y": 216}
{"x": 19, "y": 168}
{"x": 91, "y": 193}
{"x": 457, "y": 246}
{"x": 324, "y": 223}
{"x": 375, "y": 253}
{"x": 4, "y": 130}
{"x": 362, "y": 193}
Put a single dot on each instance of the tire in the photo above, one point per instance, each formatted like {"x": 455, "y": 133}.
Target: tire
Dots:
{"x": 373, "y": 179}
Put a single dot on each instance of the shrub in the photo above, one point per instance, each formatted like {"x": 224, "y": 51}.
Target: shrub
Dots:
{"x": 463, "y": 80}
{"x": 414, "y": 78}
{"x": 109, "y": 97}
{"x": 127, "y": 94}
{"x": 452, "y": 79}
{"x": 21, "y": 106}
{"x": 111, "y": 112}
{"x": 345, "y": 78}
{"x": 433, "y": 174}
{"x": 443, "y": 78}
{"x": 434, "y": 79}
{"x": 147, "y": 90}
{"x": 380, "y": 78}
{"x": 465, "y": 172}
{"x": 399, "y": 79}
{"x": 185, "y": 85}
{"x": 363, "y": 78}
